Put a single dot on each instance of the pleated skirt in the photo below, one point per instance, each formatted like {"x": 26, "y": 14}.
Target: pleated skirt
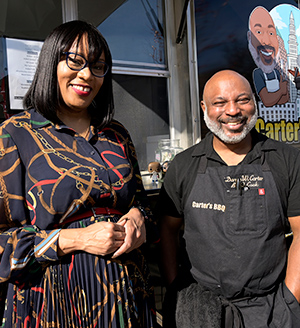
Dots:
{"x": 84, "y": 291}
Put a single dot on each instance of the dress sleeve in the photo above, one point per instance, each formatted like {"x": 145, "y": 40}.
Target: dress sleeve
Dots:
{"x": 24, "y": 248}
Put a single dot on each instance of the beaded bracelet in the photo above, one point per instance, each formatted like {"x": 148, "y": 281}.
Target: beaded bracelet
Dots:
{"x": 142, "y": 210}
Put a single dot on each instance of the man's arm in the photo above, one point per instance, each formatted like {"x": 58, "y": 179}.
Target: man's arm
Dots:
{"x": 270, "y": 99}
{"x": 169, "y": 233}
{"x": 292, "y": 279}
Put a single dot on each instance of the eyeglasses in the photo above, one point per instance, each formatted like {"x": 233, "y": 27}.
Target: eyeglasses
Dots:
{"x": 77, "y": 62}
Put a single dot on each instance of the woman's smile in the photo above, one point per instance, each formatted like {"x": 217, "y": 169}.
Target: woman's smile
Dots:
{"x": 81, "y": 89}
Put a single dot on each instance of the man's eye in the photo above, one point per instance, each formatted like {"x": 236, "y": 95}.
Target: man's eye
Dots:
{"x": 244, "y": 100}
{"x": 219, "y": 104}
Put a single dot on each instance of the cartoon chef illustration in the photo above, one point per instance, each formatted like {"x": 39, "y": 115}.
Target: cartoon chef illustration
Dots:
{"x": 263, "y": 46}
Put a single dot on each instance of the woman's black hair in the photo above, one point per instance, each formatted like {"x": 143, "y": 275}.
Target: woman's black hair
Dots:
{"x": 43, "y": 94}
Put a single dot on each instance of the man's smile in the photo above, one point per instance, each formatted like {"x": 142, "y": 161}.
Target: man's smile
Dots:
{"x": 265, "y": 53}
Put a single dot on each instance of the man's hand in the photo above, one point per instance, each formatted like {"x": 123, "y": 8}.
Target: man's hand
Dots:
{"x": 134, "y": 225}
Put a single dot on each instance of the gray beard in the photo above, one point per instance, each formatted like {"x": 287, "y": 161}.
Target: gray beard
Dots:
{"x": 217, "y": 130}
{"x": 265, "y": 68}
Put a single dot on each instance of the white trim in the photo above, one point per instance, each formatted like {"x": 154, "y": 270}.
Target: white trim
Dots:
{"x": 170, "y": 37}
{"x": 135, "y": 63}
{"x": 139, "y": 71}
{"x": 193, "y": 71}
{"x": 179, "y": 81}
{"x": 69, "y": 10}
{"x": 135, "y": 68}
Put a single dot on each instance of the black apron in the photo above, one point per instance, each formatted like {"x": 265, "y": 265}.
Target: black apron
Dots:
{"x": 235, "y": 230}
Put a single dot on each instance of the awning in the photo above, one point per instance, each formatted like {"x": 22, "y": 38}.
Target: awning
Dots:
{"x": 35, "y": 19}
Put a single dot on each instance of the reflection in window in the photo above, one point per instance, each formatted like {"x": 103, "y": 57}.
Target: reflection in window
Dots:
{"x": 141, "y": 105}
{"x": 135, "y": 34}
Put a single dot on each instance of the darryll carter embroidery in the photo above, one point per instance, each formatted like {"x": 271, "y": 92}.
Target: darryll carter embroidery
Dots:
{"x": 249, "y": 181}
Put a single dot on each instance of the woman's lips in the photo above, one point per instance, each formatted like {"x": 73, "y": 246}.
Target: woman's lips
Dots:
{"x": 81, "y": 90}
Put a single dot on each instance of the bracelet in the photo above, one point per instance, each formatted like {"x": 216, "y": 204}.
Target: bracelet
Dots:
{"x": 142, "y": 210}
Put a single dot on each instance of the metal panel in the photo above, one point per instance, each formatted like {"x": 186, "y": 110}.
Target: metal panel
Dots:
{"x": 35, "y": 19}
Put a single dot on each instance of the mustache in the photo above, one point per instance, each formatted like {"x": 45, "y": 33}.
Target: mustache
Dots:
{"x": 261, "y": 47}
{"x": 255, "y": 55}
{"x": 234, "y": 119}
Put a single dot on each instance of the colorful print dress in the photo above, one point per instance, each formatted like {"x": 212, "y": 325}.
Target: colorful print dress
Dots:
{"x": 47, "y": 173}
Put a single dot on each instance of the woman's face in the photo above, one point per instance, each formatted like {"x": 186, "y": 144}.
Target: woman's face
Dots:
{"x": 78, "y": 88}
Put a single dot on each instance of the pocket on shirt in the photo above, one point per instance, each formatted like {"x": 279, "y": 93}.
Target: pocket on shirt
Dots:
{"x": 246, "y": 212}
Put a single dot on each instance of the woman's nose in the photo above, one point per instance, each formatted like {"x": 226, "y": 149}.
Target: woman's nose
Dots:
{"x": 85, "y": 73}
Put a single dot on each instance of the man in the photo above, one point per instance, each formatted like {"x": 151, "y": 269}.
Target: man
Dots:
{"x": 263, "y": 46}
{"x": 237, "y": 194}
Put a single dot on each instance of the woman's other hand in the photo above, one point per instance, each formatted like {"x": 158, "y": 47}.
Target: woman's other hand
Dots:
{"x": 101, "y": 238}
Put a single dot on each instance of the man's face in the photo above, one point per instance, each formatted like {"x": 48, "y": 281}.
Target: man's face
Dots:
{"x": 263, "y": 37}
{"x": 229, "y": 109}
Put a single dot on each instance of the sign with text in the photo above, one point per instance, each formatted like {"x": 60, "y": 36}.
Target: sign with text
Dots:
{"x": 22, "y": 57}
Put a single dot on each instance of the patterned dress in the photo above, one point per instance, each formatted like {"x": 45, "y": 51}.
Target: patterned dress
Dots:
{"x": 47, "y": 173}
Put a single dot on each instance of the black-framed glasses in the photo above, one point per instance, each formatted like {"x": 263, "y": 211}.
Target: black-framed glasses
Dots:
{"x": 77, "y": 62}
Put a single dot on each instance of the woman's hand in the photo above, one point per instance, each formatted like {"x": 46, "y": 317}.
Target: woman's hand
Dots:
{"x": 134, "y": 224}
{"x": 100, "y": 238}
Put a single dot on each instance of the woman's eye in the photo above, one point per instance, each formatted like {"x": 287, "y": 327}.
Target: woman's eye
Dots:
{"x": 99, "y": 67}
{"x": 76, "y": 61}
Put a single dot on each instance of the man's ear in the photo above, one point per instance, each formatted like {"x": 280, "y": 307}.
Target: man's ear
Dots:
{"x": 249, "y": 35}
{"x": 202, "y": 104}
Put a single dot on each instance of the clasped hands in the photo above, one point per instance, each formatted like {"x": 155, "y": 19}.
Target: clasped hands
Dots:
{"x": 103, "y": 238}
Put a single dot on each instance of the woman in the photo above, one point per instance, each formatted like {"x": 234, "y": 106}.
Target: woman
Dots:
{"x": 71, "y": 197}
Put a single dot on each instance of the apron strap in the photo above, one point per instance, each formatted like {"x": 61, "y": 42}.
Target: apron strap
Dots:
{"x": 265, "y": 75}
{"x": 233, "y": 317}
{"x": 202, "y": 165}
{"x": 264, "y": 164}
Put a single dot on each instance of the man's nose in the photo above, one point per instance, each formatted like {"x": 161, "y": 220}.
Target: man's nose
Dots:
{"x": 232, "y": 108}
{"x": 265, "y": 39}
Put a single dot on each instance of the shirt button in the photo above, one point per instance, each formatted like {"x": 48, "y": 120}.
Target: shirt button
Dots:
{"x": 92, "y": 152}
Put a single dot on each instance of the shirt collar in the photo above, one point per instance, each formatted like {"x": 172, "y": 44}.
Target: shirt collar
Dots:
{"x": 37, "y": 120}
{"x": 204, "y": 147}
{"x": 260, "y": 143}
